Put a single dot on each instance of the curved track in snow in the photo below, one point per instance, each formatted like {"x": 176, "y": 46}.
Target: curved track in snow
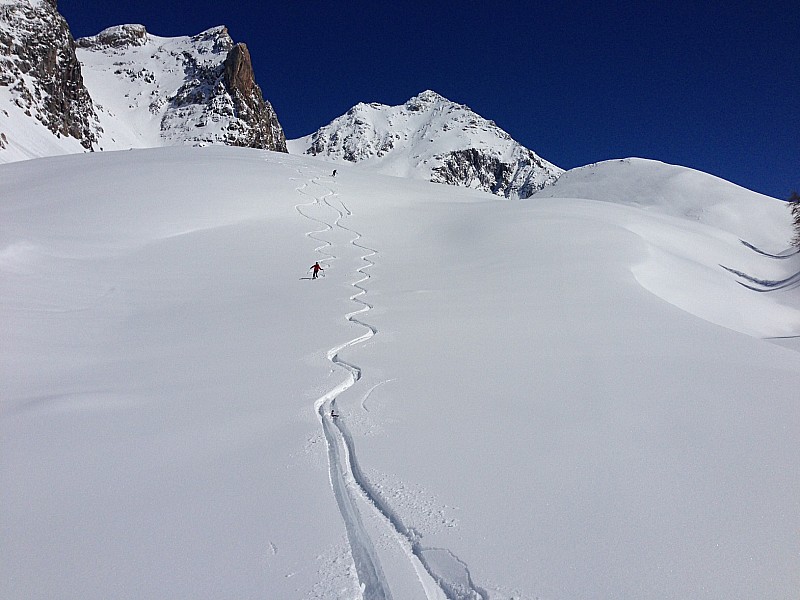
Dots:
{"x": 368, "y": 569}
{"x": 785, "y": 254}
{"x": 440, "y": 574}
{"x": 758, "y": 284}
{"x": 766, "y": 285}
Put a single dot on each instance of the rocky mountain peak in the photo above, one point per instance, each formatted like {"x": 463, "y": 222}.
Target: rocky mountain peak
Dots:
{"x": 262, "y": 127}
{"x": 426, "y": 99}
{"x": 119, "y": 36}
{"x": 430, "y": 137}
{"x": 201, "y": 88}
{"x": 218, "y": 38}
{"x": 123, "y": 88}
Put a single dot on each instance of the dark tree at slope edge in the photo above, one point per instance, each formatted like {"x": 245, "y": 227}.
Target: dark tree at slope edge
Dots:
{"x": 794, "y": 205}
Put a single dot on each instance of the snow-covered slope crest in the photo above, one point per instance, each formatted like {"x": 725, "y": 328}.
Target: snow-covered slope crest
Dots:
{"x": 719, "y": 235}
{"x": 431, "y": 138}
{"x": 679, "y": 192}
{"x": 155, "y": 91}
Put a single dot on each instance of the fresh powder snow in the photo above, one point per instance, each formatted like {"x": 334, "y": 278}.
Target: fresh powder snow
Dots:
{"x": 588, "y": 394}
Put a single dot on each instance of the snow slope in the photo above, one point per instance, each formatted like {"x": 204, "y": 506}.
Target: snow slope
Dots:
{"x": 23, "y": 138}
{"x": 704, "y": 217}
{"x": 527, "y": 408}
{"x": 432, "y": 139}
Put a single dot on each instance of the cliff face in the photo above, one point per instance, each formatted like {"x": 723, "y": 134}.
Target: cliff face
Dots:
{"x": 39, "y": 67}
{"x": 123, "y": 88}
{"x": 260, "y": 126}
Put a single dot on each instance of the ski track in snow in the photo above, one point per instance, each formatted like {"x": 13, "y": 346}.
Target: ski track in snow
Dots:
{"x": 370, "y": 575}
{"x": 369, "y": 393}
{"x": 766, "y": 285}
{"x": 785, "y": 254}
{"x": 441, "y": 575}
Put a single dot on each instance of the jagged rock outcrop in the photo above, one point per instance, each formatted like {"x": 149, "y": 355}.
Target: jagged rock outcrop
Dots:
{"x": 39, "y": 67}
{"x": 432, "y": 138}
{"x": 262, "y": 127}
{"x": 522, "y": 176}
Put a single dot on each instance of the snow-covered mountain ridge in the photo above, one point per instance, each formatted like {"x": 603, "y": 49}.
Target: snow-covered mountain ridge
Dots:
{"x": 153, "y": 91}
{"x": 127, "y": 88}
{"x": 431, "y": 138}
{"x": 123, "y": 88}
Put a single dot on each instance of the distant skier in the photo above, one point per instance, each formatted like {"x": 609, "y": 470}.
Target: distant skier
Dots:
{"x": 334, "y": 173}
{"x": 334, "y": 414}
{"x": 316, "y": 269}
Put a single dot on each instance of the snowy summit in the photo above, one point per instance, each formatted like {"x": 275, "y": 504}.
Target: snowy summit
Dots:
{"x": 431, "y": 138}
{"x": 123, "y": 88}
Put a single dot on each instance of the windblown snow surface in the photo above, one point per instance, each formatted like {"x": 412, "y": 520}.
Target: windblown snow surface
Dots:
{"x": 589, "y": 394}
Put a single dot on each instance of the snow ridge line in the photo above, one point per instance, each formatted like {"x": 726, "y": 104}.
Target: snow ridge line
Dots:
{"x": 435, "y": 585}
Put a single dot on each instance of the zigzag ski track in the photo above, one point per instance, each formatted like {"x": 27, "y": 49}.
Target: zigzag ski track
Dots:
{"x": 427, "y": 573}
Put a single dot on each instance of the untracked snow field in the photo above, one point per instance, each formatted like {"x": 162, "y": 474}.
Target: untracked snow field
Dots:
{"x": 589, "y": 394}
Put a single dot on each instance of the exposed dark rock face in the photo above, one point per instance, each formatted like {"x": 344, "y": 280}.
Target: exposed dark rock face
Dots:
{"x": 473, "y": 168}
{"x": 38, "y": 64}
{"x": 262, "y": 129}
{"x": 239, "y": 70}
{"x": 468, "y": 167}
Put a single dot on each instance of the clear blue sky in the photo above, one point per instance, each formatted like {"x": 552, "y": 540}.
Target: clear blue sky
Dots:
{"x": 710, "y": 85}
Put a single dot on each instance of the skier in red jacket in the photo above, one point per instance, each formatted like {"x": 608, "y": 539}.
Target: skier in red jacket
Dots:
{"x": 316, "y": 269}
